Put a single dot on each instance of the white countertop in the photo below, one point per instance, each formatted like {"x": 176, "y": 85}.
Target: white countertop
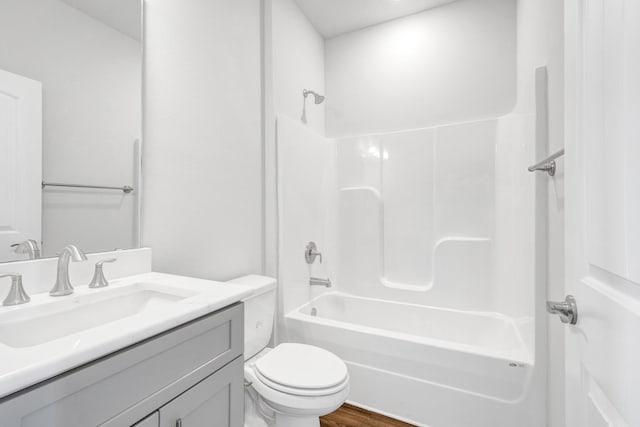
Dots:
{"x": 24, "y": 364}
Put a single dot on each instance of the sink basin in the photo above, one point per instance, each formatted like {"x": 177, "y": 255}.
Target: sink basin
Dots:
{"x": 51, "y": 335}
{"x": 38, "y": 325}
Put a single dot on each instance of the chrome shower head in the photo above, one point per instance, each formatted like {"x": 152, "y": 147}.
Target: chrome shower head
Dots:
{"x": 318, "y": 99}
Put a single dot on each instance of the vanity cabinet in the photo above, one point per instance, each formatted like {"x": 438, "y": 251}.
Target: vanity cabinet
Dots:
{"x": 192, "y": 374}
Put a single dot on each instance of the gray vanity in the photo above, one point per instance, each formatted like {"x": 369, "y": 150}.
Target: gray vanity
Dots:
{"x": 190, "y": 375}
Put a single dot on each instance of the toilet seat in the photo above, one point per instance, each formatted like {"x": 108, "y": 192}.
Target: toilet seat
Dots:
{"x": 301, "y": 391}
{"x": 302, "y": 370}
{"x": 295, "y": 405}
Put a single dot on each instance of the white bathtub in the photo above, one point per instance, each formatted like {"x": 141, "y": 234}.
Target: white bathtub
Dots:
{"x": 430, "y": 366}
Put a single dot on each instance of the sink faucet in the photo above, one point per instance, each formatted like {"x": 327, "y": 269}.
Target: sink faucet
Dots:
{"x": 30, "y": 247}
{"x": 63, "y": 285}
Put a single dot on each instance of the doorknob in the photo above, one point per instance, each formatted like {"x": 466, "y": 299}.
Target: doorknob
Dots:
{"x": 567, "y": 310}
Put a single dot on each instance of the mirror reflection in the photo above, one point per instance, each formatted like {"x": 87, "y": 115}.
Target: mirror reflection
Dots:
{"x": 70, "y": 126}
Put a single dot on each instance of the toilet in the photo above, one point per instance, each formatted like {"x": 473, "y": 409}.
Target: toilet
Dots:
{"x": 290, "y": 385}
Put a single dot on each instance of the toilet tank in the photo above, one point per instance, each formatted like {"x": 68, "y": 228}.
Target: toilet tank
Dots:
{"x": 259, "y": 312}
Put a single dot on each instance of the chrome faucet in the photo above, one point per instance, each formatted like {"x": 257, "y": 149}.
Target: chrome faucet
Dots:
{"x": 30, "y": 247}
{"x": 315, "y": 281}
{"x": 63, "y": 285}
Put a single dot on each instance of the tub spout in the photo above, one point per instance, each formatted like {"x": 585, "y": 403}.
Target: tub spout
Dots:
{"x": 314, "y": 281}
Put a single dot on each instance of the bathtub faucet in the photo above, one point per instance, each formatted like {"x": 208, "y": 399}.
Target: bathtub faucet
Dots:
{"x": 314, "y": 281}
{"x": 311, "y": 252}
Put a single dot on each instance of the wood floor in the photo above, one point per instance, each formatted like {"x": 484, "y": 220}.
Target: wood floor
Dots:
{"x": 352, "y": 416}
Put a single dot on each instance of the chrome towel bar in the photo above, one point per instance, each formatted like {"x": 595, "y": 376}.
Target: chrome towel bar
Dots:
{"x": 548, "y": 165}
{"x": 126, "y": 189}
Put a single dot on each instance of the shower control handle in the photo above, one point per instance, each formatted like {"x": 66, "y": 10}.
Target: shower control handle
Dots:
{"x": 567, "y": 309}
{"x": 311, "y": 252}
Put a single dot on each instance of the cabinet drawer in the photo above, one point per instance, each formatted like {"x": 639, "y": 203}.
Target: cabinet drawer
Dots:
{"x": 136, "y": 380}
{"x": 218, "y": 401}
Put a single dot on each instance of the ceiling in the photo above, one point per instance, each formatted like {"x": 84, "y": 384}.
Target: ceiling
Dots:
{"x": 334, "y": 17}
{"x": 123, "y": 15}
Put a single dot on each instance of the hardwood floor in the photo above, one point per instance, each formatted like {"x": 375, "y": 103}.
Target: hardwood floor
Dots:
{"x": 352, "y": 416}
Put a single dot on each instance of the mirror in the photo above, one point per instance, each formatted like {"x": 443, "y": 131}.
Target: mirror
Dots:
{"x": 70, "y": 125}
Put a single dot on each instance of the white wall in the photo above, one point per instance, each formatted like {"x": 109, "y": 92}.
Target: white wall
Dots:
{"x": 202, "y": 205}
{"x": 91, "y": 76}
{"x": 298, "y": 63}
{"x": 450, "y": 64}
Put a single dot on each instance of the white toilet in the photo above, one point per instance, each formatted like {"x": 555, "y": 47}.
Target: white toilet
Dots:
{"x": 291, "y": 385}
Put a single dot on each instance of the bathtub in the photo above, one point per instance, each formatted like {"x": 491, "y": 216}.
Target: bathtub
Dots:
{"x": 430, "y": 366}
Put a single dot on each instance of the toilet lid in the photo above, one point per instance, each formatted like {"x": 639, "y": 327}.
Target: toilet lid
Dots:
{"x": 302, "y": 366}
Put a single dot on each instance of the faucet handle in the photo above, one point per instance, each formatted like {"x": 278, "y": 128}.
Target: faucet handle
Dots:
{"x": 311, "y": 252}
{"x": 98, "y": 280}
{"x": 17, "y": 294}
{"x": 102, "y": 261}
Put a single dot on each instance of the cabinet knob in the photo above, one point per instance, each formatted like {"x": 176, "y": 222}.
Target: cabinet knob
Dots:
{"x": 179, "y": 422}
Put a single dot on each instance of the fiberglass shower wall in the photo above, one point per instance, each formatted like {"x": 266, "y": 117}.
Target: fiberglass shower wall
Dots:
{"x": 416, "y": 108}
{"x": 420, "y": 192}
{"x": 416, "y": 213}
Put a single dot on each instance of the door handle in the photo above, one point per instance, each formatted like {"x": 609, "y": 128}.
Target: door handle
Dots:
{"x": 567, "y": 309}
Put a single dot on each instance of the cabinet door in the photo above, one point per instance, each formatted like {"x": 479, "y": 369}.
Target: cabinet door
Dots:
{"x": 217, "y": 401}
{"x": 152, "y": 420}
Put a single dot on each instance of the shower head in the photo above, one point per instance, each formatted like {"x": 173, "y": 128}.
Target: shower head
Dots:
{"x": 318, "y": 99}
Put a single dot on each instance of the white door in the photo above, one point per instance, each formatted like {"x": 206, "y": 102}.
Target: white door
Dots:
{"x": 602, "y": 96}
{"x": 20, "y": 162}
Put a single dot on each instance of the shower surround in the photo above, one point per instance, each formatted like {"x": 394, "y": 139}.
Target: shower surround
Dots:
{"x": 428, "y": 236}
{"x": 432, "y": 231}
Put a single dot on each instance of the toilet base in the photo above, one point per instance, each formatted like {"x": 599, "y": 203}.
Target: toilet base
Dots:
{"x": 257, "y": 414}
{"x": 293, "y": 421}
{"x": 254, "y": 415}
